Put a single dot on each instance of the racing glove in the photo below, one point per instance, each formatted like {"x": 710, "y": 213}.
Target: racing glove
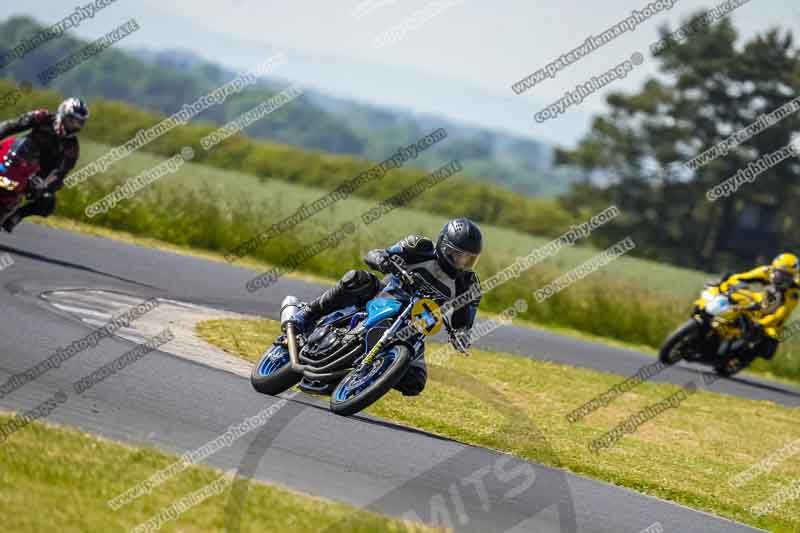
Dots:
{"x": 378, "y": 260}
{"x": 462, "y": 337}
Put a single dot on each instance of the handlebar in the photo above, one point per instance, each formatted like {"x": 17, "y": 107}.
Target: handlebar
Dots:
{"x": 396, "y": 266}
{"x": 417, "y": 283}
{"x": 414, "y": 280}
{"x": 744, "y": 306}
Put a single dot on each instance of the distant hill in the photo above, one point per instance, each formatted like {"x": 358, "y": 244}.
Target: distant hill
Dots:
{"x": 164, "y": 80}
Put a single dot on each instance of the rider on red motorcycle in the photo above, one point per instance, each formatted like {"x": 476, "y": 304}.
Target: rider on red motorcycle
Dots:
{"x": 53, "y": 144}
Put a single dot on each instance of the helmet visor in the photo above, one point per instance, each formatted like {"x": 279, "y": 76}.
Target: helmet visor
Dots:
{"x": 73, "y": 124}
{"x": 782, "y": 278}
{"x": 460, "y": 259}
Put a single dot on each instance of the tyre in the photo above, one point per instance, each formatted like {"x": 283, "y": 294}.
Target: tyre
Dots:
{"x": 673, "y": 348}
{"x": 364, "y": 386}
{"x": 273, "y": 374}
{"x": 729, "y": 368}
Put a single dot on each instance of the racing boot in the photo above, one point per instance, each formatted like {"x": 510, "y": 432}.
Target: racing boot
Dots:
{"x": 11, "y": 222}
{"x": 306, "y": 317}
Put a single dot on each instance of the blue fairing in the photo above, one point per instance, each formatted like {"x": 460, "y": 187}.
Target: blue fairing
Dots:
{"x": 337, "y": 315}
{"x": 380, "y": 308}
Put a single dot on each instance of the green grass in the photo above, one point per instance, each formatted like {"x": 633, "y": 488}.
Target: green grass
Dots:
{"x": 206, "y": 207}
{"x": 631, "y": 300}
{"x": 115, "y": 123}
{"x": 59, "y": 479}
{"x": 686, "y": 455}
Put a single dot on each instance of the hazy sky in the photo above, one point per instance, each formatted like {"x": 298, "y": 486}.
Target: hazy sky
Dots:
{"x": 459, "y": 63}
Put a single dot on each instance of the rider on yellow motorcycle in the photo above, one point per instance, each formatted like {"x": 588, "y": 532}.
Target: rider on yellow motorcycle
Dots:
{"x": 782, "y": 295}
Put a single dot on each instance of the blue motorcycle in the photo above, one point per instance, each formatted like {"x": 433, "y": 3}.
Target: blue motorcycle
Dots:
{"x": 356, "y": 355}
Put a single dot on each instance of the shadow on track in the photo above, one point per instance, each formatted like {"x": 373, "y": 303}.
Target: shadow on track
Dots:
{"x": 778, "y": 388}
{"x": 543, "y": 488}
{"x": 366, "y": 419}
{"x": 74, "y": 266}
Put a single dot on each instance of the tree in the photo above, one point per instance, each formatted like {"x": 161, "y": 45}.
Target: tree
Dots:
{"x": 709, "y": 88}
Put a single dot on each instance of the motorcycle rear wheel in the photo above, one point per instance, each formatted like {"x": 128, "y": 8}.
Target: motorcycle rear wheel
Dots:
{"x": 273, "y": 374}
{"x": 730, "y": 367}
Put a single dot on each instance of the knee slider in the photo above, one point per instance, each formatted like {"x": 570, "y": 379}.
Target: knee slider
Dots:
{"x": 360, "y": 282}
{"x": 351, "y": 278}
{"x": 413, "y": 381}
{"x": 46, "y": 205}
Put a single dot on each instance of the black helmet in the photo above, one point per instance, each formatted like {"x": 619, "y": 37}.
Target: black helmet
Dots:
{"x": 460, "y": 244}
{"x": 70, "y": 117}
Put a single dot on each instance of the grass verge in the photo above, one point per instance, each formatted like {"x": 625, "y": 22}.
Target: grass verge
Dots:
{"x": 207, "y": 208}
{"x": 760, "y": 368}
{"x": 633, "y": 300}
{"x": 75, "y": 226}
{"x": 52, "y": 475}
{"x": 687, "y": 454}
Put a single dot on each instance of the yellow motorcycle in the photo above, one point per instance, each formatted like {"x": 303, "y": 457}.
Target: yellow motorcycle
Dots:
{"x": 720, "y": 332}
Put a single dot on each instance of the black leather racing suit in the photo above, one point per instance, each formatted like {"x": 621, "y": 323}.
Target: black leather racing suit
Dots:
{"x": 57, "y": 155}
{"x": 359, "y": 286}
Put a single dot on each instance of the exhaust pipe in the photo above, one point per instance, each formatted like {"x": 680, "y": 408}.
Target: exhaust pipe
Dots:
{"x": 289, "y": 308}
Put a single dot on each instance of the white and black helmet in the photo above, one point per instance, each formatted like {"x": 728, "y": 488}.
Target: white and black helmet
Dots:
{"x": 460, "y": 244}
{"x": 71, "y": 117}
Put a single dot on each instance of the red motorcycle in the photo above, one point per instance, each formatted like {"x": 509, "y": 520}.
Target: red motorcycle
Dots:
{"x": 19, "y": 166}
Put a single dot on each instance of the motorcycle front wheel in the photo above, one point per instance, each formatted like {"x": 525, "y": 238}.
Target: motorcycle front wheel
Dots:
{"x": 365, "y": 385}
{"x": 675, "y": 347}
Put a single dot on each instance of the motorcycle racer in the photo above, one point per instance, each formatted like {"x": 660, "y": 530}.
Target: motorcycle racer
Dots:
{"x": 782, "y": 296}
{"x": 53, "y": 141}
{"x": 448, "y": 265}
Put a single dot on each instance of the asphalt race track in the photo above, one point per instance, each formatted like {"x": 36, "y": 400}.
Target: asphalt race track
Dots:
{"x": 179, "y": 405}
